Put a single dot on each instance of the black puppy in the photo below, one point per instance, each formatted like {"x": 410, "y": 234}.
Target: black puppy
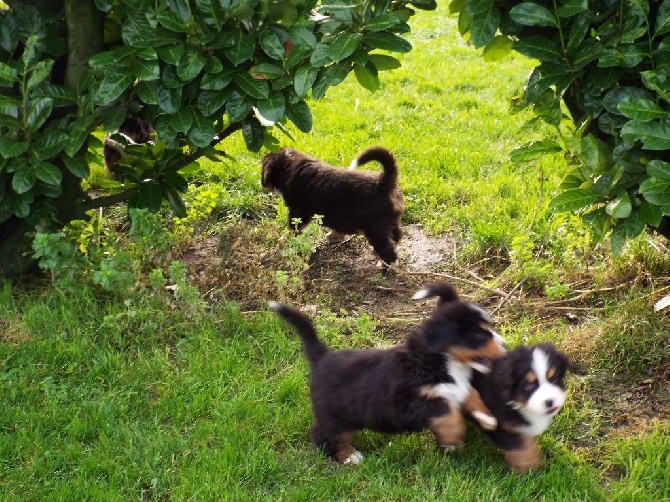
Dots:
{"x": 133, "y": 130}
{"x": 524, "y": 390}
{"x": 350, "y": 201}
{"x": 420, "y": 384}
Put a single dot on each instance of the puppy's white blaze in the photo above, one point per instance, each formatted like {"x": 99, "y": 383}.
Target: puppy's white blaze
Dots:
{"x": 353, "y": 459}
{"x": 537, "y": 410}
{"x": 422, "y": 293}
{"x": 276, "y": 306}
{"x": 458, "y": 390}
{"x": 489, "y": 422}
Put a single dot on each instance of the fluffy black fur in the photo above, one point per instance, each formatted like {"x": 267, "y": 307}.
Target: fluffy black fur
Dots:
{"x": 132, "y": 130}
{"x": 507, "y": 391}
{"x": 350, "y": 201}
{"x": 390, "y": 390}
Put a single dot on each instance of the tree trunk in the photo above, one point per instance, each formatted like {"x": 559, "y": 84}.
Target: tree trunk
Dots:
{"x": 83, "y": 23}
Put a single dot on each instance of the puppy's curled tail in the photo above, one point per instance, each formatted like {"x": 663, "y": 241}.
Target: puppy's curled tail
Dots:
{"x": 389, "y": 178}
{"x": 314, "y": 348}
{"x": 445, "y": 291}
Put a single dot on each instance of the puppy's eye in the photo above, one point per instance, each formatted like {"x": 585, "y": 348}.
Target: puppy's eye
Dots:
{"x": 529, "y": 386}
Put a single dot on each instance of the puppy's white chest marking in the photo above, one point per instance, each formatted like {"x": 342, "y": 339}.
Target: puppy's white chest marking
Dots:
{"x": 455, "y": 391}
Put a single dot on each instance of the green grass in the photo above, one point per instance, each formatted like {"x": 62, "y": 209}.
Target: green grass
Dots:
{"x": 153, "y": 397}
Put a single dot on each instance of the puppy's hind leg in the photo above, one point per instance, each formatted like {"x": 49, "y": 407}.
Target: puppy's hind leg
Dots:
{"x": 337, "y": 445}
{"x": 448, "y": 429}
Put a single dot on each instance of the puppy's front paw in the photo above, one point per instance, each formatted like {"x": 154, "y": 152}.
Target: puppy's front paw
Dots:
{"x": 488, "y": 422}
{"x": 452, "y": 447}
{"x": 353, "y": 459}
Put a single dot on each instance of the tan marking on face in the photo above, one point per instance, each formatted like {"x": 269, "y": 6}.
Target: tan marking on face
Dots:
{"x": 448, "y": 429}
{"x": 531, "y": 377}
{"x": 490, "y": 350}
{"x": 528, "y": 457}
{"x": 551, "y": 373}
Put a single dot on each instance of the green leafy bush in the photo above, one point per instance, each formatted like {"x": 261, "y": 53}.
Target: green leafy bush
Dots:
{"x": 608, "y": 62}
{"x": 197, "y": 70}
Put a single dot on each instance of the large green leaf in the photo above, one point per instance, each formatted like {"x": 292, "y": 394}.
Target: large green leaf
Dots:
{"x": 651, "y": 213}
{"x": 572, "y": 8}
{"x": 238, "y": 106}
{"x": 171, "y": 54}
{"x": 23, "y": 180}
{"x": 387, "y": 41}
{"x": 344, "y": 45}
{"x": 574, "y": 200}
{"x": 484, "y": 26}
{"x": 253, "y": 133}
{"x": 656, "y": 191}
{"x": 39, "y": 111}
{"x": 304, "y": 79}
{"x": 532, "y": 14}
{"x": 172, "y": 21}
{"x": 272, "y": 109}
{"x": 654, "y": 135}
{"x": 79, "y": 131}
{"x": 49, "y": 144}
{"x": 39, "y": 72}
{"x": 620, "y": 207}
{"x": 202, "y": 131}
{"x": 183, "y": 119}
{"x": 300, "y": 114}
{"x": 9, "y": 147}
{"x": 595, "y": 154}
{"x": 77, "y": 166}
{"x": 543, "y": 77}
{"x": 367, "y": 79}
{"x": 138, "y": 32}
{"x": 257, "y": 89}
{"x": 659, "y": 170}
{"x": 626, "y": 57}
{"x": 301, "y": 36}
{"x": 383, "y": 62}
{"x": 210, "y": 102}
{"x": 534, "y": 150}
{"x": 149, "y": 196}
{"x": 382, "y": 22}
{"x": 538, "y": 47}
{"x": 498, "y": 48}
{"x": 272, "y": 44}
{"x": 113, "y": 84}
{"x": 266, "y": 71}
{"x": 662, "y": 24}
{"x": 48, "y": 173}
{"x": 169, "y": 100}
{"x": 242, "y": 49}
{"x": 191, "y": 64}
{"x": 217, "y": 81}
{"x": 641, "y": 109}
{"x": 478, "y": 6}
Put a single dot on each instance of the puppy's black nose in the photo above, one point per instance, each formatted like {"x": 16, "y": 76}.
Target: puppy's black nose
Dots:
{"x": 549, "y": 403}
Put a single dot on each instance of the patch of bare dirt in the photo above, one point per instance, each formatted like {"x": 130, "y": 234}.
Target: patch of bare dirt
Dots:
{"x": 240, "y": 265}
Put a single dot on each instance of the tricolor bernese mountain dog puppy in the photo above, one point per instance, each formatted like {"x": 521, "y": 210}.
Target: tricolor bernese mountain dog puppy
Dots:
{"x": 133, "y": 130}
{"x": 523, "y": 390}
{"x": 350, "y": 201}
{"x": 420, "y": 384}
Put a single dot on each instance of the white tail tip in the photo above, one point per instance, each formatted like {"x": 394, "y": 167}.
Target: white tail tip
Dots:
{"x": 422, "y": 293}
{"x": 276, "y": 306}
{"x": 353, "y": 165}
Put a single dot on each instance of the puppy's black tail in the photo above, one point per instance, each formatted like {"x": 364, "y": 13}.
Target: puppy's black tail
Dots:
{"x": 445, "y": 291}
{"x": 313, "y": 348}
{"x": 389, "y": 178}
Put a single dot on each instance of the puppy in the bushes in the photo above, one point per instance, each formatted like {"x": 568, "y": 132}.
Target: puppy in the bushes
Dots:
{"x": 420, "y": 384}
{"x": 524, "y": 390}
{"x": 133, "y": 130}
{"x": 350, "y": 201}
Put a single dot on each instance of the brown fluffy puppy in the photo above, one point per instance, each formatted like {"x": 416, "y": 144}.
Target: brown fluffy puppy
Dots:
{"x": 350, "y": 201}
{"x": 420, "y": 384}
{"x": 133, "y": 130}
